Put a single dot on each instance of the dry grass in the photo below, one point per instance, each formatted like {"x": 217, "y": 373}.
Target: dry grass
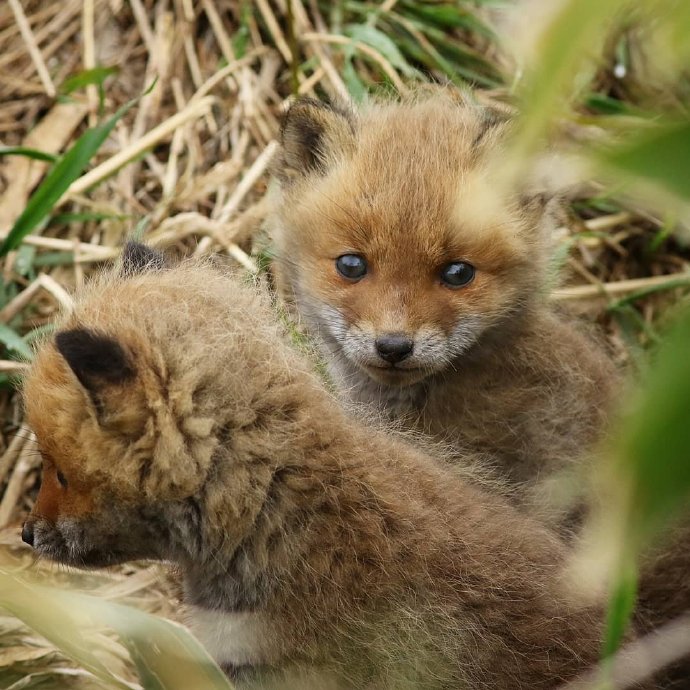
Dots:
{"x": 186, "y": 169}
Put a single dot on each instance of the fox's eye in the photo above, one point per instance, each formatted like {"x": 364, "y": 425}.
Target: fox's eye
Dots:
{"x": 351, "y": 266}
{"x": 457, "y": 274}
{"x": 62, "y": 480}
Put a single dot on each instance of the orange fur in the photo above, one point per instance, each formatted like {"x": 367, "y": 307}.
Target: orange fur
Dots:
{"x": 306, "y": 539}
{"x": 494, "y": 370}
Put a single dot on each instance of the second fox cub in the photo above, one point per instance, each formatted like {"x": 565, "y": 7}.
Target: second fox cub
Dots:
{"x": 425, "y": 284}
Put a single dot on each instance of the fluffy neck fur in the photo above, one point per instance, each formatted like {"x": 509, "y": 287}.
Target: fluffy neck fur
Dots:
{"x": 305, "y": 538}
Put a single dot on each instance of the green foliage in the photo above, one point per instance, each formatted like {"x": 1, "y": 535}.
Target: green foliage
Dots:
{"x": 654, "y": 444}
{"x": 659, "y": 154}
{"x": 96, "y": 76}
{"x": 648, "y": 473}
{"x": 14, "y": 343}
{"x": 28, "y": 153}
{"x": 371, "y": 36}
{"x": 68, "y": 168}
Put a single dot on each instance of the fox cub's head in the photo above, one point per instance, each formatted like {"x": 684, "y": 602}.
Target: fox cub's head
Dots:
{"x": 135, "y": 403}
{"x": 391, "y": 238}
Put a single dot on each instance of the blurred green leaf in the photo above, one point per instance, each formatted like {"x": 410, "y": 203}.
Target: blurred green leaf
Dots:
{"x": 562, "y": 51}
{"x": 655, "y": 446}
{"x": 448, "y": 16}
{"x": 61, "y": 176}
{"x": 28, "y": 153}
{"x": 621, "y": 607}
{"x": 606, "y": 105}
{"x": 354, "y": 84}
{"x": 14, "y": 342}
{"x": 38, "y": 333}
{"x": 24, "y": 263}
{"x": 54, "y": 259}
{"x": 96, "y": 75}
{"x": 660, "y": 154}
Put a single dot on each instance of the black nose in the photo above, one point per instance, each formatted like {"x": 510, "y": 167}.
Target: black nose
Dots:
{"x": 28, "y": 533}
{"x": 394, "y": 347}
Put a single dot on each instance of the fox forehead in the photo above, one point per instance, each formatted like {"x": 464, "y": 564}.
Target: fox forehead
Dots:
{"x": 414, "y": 191}
{"x": 456, "y": 218}
{"x": 54, "y": 407}
{"x": 64, "y": 421}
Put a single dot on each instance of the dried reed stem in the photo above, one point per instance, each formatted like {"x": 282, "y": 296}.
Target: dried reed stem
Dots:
{"x": 620, "y": 287}
{"x": 32, "y": 47}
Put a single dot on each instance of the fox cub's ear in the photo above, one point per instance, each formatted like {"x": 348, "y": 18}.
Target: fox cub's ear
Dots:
{"x": 138, "y": 258}
{"x": 312, "y": 134}
{"x": 97, "y": 360}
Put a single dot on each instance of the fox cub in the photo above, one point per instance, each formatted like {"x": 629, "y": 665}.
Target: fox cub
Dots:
{"x": 425, "y": 285}
{"x": 175, "y": 423}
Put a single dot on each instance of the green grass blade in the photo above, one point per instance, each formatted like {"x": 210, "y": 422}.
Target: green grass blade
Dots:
{"x": 355, "y": 86}
{"x": 96, "y": 76}
{"x": 647, "y": 479}
{"x": 655, "y": 450}
{"x": 14, "y": 342}
{"x": 55, "y": 617}
{"x": 61, "y": 176}
{"x": 371, "y": 36}
{"x": 621, "y": 607}
{"x": 27, "y": 152}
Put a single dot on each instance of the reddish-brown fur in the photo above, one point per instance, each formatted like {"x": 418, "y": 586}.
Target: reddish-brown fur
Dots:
{"x": 495, "y": 369}
{"x": 408, "y": 185}
{"x": 305, "y": 539}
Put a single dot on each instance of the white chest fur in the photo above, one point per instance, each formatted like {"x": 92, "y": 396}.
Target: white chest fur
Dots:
{"x": 234, "y": 639}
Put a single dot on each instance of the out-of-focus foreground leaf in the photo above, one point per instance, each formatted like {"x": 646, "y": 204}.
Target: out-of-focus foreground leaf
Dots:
{"x": 646, "y": 480}
{"x": 167, "y": 657}
{"x": 653, "y": 463}
{"x": 660, "y": 155}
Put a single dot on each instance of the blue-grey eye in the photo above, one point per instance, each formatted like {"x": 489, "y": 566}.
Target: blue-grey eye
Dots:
{"x": 457, "y": 274}
{"x": 351, "y": 266}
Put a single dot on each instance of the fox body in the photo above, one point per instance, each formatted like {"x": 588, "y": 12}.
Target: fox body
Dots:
{"x": 175, "y": 423}
{"x": 423, "y": 281}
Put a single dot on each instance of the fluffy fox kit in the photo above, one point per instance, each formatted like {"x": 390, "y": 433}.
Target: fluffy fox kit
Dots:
{"x": 424, "y": 284}
{"x": 175, "y": 423}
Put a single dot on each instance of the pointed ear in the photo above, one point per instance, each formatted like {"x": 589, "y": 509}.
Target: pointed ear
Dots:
{"x": 138, "y": 258}
{"x": 312, "y": 135}
{"x": 97, "y": 360}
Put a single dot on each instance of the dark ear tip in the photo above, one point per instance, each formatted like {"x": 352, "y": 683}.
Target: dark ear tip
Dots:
{"x": 139, "y": 258}
{"x": 94, "y": 357}
{"x": 305, "y": 106}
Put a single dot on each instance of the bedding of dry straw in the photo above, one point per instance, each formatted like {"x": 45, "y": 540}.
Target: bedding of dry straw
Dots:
{"x": 186, "y": 170}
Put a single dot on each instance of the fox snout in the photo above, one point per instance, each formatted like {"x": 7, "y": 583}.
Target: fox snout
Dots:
{"x": 394, "y": 347}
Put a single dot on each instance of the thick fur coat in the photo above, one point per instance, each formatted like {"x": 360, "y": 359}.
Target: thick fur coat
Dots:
{"x": 176, "y": 423}
{"x": 492, "y": 369}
